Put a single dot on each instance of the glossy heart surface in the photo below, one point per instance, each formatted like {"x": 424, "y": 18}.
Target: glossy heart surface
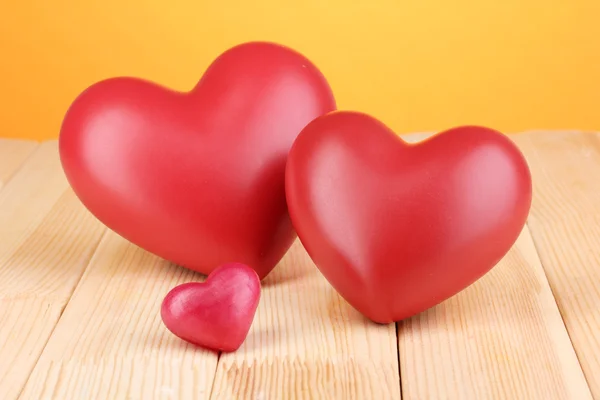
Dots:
{"x": 395, "y": 227}
{"x": 216, "y": 314}
{"x": 197, "y": 177}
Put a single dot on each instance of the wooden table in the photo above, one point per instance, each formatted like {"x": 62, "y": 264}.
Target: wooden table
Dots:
{"x": 79, "y": 307}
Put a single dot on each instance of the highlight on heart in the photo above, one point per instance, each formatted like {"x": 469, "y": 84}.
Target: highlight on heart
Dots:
{"x": 223, "y": 178}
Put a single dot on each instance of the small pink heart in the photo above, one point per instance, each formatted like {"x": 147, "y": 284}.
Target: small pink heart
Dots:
{"x": 216, "y": 314}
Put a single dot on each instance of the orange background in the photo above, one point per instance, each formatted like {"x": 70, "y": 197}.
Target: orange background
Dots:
{"x": 416, "y": 65}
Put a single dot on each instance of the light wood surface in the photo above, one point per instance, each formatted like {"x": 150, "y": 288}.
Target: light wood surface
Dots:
{"x": 79, "y": 307}
{"x": 307, "y": 343}
{"x": 13, "y": 154}
{"x": 565, "y": 224}
{"x": 500, "y": 337}
{"x": 46, "y": 241}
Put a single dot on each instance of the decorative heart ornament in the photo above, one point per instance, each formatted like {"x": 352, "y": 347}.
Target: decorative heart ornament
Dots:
{"x": 397, "y": 228}
{"x": 216, "y": 314}
{"x": 197, "y": 177}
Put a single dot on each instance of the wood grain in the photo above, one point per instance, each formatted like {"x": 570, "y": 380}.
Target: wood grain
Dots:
{"x": 308, "y": 343}
{"x": 12, "y": 155}
{"x": 46, "y": 240}
{"x": 501, "y": 338}
{"x": 110, "y": 342}
{"x": 565, "y": 225}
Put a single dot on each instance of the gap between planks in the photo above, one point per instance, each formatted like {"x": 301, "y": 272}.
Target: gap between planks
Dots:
{"x": 446, "y": 352}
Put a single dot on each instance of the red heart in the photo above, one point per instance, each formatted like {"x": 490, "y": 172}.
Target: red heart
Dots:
{"x": 198, "y": 177}
{"x": 398, "y": 228}
{"x": 216, "y": 314}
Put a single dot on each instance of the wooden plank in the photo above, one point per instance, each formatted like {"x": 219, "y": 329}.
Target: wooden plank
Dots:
{"x": 565, "y": 225}
{"x": 307, "y": 343}
{"x": 46, "y": 240}
{"x": 12, "y": 155}
{"x": 110, "y": 342}
{"x": 501, "y": 338}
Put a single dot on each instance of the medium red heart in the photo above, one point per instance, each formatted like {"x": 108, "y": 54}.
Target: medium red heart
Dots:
{"x": 397, "y": 228}
{"x": 197, "y": 177}
{"x": 216, "y": 314}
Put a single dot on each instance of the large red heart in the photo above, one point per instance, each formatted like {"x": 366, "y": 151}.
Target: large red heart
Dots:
{"x": 197, "y": 177}
{"x": 216, "y": 314}
{"x": 397, "y": 228}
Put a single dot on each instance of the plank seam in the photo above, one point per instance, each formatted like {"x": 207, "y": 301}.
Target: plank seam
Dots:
{"x": 212, "y": 385}
{"x": 398, "y": 357}
{"x": 88, "y": 263}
